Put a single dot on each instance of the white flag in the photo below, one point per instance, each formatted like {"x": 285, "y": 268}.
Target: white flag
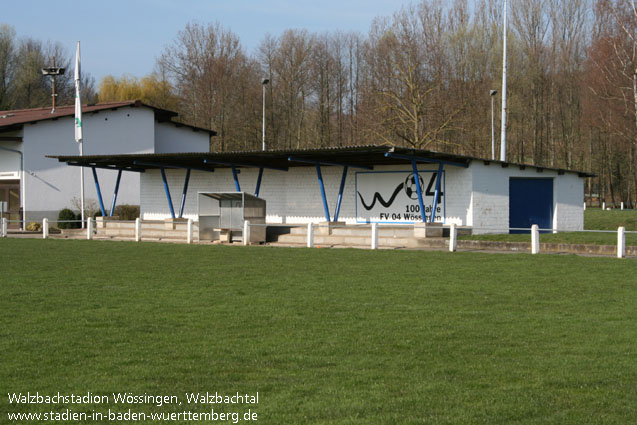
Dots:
{"x": 78, "y": 101}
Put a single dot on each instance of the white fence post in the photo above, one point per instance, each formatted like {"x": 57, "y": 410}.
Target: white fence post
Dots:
{"x": 246, "y": 233}
{"x": 310, "y": 235}
{"x": 535, "y": 239}
{"x": 604, "y": 206}
{"x": 45, "y": 228}
{"x": 453, "y": 237}
{"x": 374, "y": 235}
{"x": 89, "y": 228}
{"x": 138, "y": 229}
{"x": 621, "y": 242}
{"x": 584, "y": 206}
{"x": 4, "y": 228}
{"x": 622, "y": 207}
{"x": 189, "y": 231}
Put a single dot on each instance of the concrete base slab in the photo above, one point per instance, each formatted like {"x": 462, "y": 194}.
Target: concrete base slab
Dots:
{"x": 171, "y": 223}
{"x": 326, "y": 227}
{"x": 101, "y": 221}
{"x": 427, "y": 230}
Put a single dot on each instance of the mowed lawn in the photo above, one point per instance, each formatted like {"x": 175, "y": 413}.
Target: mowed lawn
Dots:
{"x": 326, "y": 336}
{"x": 594, "y": 219}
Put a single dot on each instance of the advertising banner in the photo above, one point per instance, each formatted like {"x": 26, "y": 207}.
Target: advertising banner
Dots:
{"x": 392, "y": 197}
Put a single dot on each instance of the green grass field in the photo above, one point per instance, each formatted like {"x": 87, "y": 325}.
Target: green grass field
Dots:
{"x": 594, "y": 219}
{"x": 337, "y": 336}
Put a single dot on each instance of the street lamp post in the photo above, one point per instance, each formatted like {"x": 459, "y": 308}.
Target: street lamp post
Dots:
{"x": 492, "y": 93}
{"x": 264, "y": 82}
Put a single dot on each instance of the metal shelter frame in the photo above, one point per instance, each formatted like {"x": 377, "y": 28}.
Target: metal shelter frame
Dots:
{"x": 317, "y": 164}
{"x": 100, "y": 199}
{"x": 362, "y": 157}
{"x": 162, "y": 167}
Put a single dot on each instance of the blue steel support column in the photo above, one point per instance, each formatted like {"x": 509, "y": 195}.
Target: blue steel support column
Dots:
{"x": 183, "y": 194}
{"x": 119, "y": 176}
{"x": 434, "y": 207}
{"x": 419, "y": 190}
{"x": 167, "y": 189}
{"x": 320, "y": 179}
{"x": 340, "y": 194}
{"x": 256, "y": 191}
{"x": 236, "y": 178}
{"x": 99, "y": 192}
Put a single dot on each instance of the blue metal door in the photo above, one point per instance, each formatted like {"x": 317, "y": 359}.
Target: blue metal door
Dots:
{"x": 530, "y": 202}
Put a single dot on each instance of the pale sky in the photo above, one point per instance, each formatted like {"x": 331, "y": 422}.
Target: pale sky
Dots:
{"x": 125, "y": 37}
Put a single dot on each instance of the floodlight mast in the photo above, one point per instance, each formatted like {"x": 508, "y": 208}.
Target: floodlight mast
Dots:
{"x": 53, "y": 72}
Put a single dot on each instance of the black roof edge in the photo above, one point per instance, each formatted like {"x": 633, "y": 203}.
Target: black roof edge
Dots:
{"x": 364, "y": 154}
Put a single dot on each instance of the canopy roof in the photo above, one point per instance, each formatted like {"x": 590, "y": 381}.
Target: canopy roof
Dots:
{"x": 354, "y": 156}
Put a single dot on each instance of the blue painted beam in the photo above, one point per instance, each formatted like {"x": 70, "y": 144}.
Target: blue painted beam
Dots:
{"x": 236, "y": 178}
{"x": 427, "y": 160}
{"x": 183, "y": 194}
{"x": 337, "y": 164}
{"x": 236, "y": 164}
{"x": 340, "y": 194}
{"x": 414, "y": 167}
{"x": 434, "y": 207}
{"x": 256, "y": 191}
{"x": 177, "y": 166}
{"x": 322, "y": 186}
{"x": 99, "y": 192}
{"x": 119, "y": 177}
{"x": 167, "y": 189}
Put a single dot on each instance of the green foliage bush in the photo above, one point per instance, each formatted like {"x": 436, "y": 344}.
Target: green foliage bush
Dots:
{"x": 127, "y": 212}
{"x": 67, "y": 214}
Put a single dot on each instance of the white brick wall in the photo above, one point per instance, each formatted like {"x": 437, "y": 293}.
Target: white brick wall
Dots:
{"x": 293, "y": 196}
{"x": 569, "y": 198}
{"x": 171, "y": 138}
{"x": 477, "y": 196}
{"x": 490, "y": 198}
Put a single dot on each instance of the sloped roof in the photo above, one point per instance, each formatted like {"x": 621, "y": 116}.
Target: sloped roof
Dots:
{"x": 10, "y": 120}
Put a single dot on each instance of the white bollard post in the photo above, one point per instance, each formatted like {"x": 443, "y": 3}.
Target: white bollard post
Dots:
{"x": 45, "y": 228}
{"x": 535, "y": 239}
{"x": 310, "y": 235}
{"x": 453, "y": 237}
{"x": 246, "y": 233}
{"x": 584, "y": 206}
{"x": 621, "y": 242}
{"x": 189, "y": 231}
{"x": 622, "y": 206}
{"x": 138, "y": 229}
{"x": 604, "y": 206}
{"x": 89, "y": 228}
{"x": 374, "y": 235}
{"x": 4, "y": 227}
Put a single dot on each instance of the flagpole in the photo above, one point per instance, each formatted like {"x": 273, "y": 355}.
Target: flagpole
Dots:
{"x": 82, "y": 187}
{"x": 78, "y": 127}
{"x": 503, "y": 133}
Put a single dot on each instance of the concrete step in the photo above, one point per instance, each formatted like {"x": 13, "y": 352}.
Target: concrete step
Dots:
{"x": 130, "y": 233}
{"x": 406, "y": 231}
{"x": 359, "y": 230}
{"x": 147, "y": 225}
{"x": 354, "y": 241}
